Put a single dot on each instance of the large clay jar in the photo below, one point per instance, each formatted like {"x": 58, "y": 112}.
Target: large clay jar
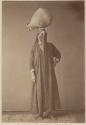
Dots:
{"x": 40, "y": 19}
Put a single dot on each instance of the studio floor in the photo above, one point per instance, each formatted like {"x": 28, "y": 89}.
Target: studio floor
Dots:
{"x": 63, "y": 117}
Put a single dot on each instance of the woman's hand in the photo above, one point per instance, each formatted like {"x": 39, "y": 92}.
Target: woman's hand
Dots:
{"x": 33, "y": 76}
{"x": 55, "y": 60}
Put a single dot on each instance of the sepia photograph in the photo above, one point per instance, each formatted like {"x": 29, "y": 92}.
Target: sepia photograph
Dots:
{"x": 43, "y": 61}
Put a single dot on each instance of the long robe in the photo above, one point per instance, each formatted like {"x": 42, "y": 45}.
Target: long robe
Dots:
{"x": 45, "y": 93}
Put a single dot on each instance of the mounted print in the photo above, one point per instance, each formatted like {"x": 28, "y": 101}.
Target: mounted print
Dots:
{"x": 43, "y": 62}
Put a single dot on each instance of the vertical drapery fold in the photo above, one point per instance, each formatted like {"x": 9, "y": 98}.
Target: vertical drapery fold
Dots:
{"x": 45, "y": 94}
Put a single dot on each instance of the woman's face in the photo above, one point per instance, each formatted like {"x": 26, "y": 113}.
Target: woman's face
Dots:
{"x": 41, "y": 37}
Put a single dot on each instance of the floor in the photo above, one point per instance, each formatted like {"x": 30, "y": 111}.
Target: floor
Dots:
{"x": 63, "y": 117}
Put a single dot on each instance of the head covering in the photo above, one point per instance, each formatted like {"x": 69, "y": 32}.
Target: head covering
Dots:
{"x": 40, "y": 19}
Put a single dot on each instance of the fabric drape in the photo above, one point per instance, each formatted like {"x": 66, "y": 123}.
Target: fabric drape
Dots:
{"x": 45, "y": 93}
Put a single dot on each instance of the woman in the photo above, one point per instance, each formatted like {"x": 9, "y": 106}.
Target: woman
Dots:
{"x": 45, "y": 95}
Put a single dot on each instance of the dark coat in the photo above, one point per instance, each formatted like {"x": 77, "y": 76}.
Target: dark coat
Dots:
{"x": 45, "y": 94}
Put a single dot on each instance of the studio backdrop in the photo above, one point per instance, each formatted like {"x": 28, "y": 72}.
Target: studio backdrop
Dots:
{"x": 66, "y": 33}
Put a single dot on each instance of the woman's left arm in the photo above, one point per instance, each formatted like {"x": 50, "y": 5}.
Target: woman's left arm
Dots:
{"x": 56, "y": 54}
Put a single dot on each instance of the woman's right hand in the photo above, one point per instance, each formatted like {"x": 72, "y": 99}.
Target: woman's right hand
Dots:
{"x": 33, "y": 77}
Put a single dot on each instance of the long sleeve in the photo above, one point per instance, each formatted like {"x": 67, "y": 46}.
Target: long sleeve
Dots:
{"x": 56, "y": 52}
{"x": 32, "y": 59}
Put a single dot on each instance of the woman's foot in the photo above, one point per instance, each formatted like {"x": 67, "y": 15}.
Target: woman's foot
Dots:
{"x": 52, "y": 117}
{"x": 37, "y": 116}
{"x": 46, "y": 114}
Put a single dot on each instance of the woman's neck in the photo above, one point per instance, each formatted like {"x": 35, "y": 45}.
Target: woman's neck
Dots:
{"x": 41, "y": 29}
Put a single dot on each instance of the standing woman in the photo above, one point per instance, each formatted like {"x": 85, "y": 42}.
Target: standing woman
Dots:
{"x": 43, "y": 58}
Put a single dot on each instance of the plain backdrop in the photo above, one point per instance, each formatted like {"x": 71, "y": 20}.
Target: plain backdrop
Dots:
{"x": 66, "y": 33}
